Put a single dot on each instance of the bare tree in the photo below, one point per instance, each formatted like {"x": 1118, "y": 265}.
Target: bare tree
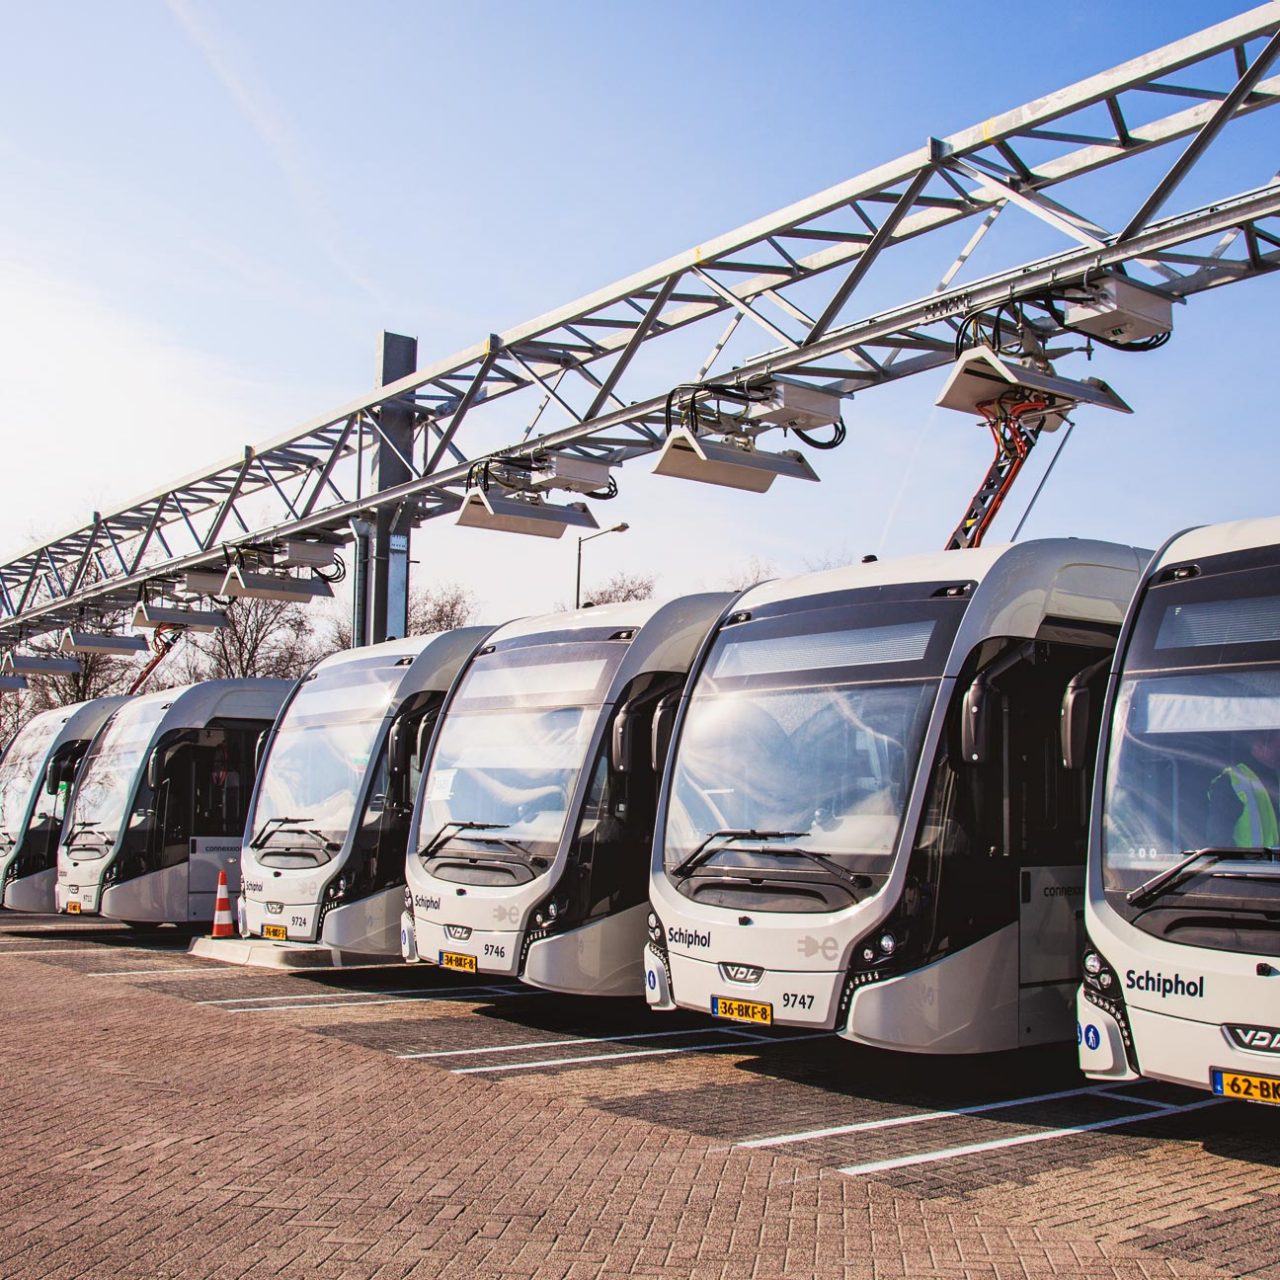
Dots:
{"x": 438, "y": 608}
{"x": 621, "y": 586}
{"x": 749, "y": 574}
{"x": 261, "y": 638}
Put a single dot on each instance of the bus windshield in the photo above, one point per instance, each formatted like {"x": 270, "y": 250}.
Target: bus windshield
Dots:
{"x": 801, "y": 741}
{"x": 110, "y": 776}
{"x": 320, "y": 755}
{"x": 513, "y": 742}
{"x": 21, "y": 768}
{"x": 1194, "y": 765}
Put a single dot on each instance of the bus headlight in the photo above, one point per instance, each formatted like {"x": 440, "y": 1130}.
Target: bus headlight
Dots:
{"x": 888, "y": 944}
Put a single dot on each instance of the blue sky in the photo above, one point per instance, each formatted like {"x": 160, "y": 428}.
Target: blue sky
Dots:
{"x": 212, "y": 209}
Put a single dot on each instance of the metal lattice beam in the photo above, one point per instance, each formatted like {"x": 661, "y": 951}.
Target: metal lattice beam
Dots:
{"x": 575, "y": 361}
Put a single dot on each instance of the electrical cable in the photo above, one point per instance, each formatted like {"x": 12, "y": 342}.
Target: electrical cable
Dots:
{"x": 1053, "y": 462}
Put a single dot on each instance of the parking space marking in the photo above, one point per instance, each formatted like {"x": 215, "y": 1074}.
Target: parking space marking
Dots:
{"x": 917, "y": 1117}
{"x": 188, "y": 972}
{"x": 557, "y": 1044}
{"x": 493, "y": 993}
{"x": 997, "y": 1144}
{"x": 742, "y": 1038}
{"x": 440, "y": 993}
{"x": 79, "y": 951}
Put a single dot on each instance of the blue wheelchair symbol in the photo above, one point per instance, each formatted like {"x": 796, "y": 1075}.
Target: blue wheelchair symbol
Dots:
{"x": 1092, "y": 1038}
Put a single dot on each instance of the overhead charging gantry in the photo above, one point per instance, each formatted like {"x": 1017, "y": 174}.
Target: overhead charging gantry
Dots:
{"x": 438, "y": 439}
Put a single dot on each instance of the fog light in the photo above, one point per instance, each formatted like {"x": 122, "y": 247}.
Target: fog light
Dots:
{"x": 539, "y": 919}
{"x": 1104, "y": 980}
{"x": 868, "y": 954}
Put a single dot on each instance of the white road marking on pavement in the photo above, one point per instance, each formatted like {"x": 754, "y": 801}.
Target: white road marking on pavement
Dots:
{"x": 219, "y": 972}
{"x": 365, "y": 1004}
{"x": 996, "y": 1144}
{"x": 355, "y": 991}
{"x": 743, "y": 1037}
{"x": 1128, "y": 1097}
{"x": 557, "y": 1044}
{"x": 78, "y": 951}
{"x": 914, "y": 1117}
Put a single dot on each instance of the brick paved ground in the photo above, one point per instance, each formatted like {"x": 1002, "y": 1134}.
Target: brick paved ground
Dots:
{"x": 148, "y": 1136}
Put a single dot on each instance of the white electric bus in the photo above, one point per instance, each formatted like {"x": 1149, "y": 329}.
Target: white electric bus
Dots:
{"x": 1182, "y": 967}
{"x": 329, "y": 822}
{"x": 865, "y": 825}
{"x": 529, "y": 850}
{"x": 36, "y": 776}
{"x": 159, "y": 805}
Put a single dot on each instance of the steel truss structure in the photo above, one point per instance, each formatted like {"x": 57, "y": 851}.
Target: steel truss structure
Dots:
{"x": 793, "y": 276}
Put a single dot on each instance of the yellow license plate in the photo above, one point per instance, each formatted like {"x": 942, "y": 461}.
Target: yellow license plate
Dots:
{"x": 741, "y": 1010}
{"x": 277, "y": 932}
{"x": 73, "y": 907}
{"x": 455, "y": 960}
{"x": 1247, "y": 1088}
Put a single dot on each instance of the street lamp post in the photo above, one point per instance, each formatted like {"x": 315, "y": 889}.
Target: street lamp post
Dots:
{"x": 577, "y": 587}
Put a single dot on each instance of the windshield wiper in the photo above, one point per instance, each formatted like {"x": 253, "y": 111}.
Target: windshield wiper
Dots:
{"x": 828, "y": 863}
{"x": 450, "y": 829}
{"x": 520, "y": 850}
{"x": 77, "y": 829}
{"x": 260, "y": 836}
{"x": 705, "y": 850}
{"x": 293, "y": 826}
{"x": 1160, "y": 883}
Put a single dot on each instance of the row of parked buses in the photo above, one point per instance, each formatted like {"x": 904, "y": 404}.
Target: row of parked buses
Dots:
{"x": 857, "y": 800}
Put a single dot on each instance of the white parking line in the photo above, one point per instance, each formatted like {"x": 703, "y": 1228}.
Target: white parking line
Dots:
{"x": 743, "y": 1037}
{"x": 996, "y": 1144}
{"x": 151, "y": 973}
{"x": 915, "y": 1117}
{"x": 79, "y": 951}
{"x": 558, "y": 1044}
{"x": 365, "y": 1004}
{"x": 339, "y": 995}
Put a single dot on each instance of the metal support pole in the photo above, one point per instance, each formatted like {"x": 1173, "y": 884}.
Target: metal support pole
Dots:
{"x": 389, "y": 588}
{"x": 362, "y": 529}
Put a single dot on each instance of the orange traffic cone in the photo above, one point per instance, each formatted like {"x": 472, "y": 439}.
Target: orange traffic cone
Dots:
{"x": 223, "y": 926}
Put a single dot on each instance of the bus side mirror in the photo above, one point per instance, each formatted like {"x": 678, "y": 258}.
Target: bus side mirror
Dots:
{"x": 259, "y": 750}
{"x": 620, "y": 744}
{"x": 664, "y": 719}
{"x": 398, "y": 747}
{"x": 975, "y": 721}
{"x": 153, "y": 769}
{"x": 423, "y": 743}
{"x": 1075, "y": 725}
{"x": 52, "y": 778}
{"x": 1077, "y": 715}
